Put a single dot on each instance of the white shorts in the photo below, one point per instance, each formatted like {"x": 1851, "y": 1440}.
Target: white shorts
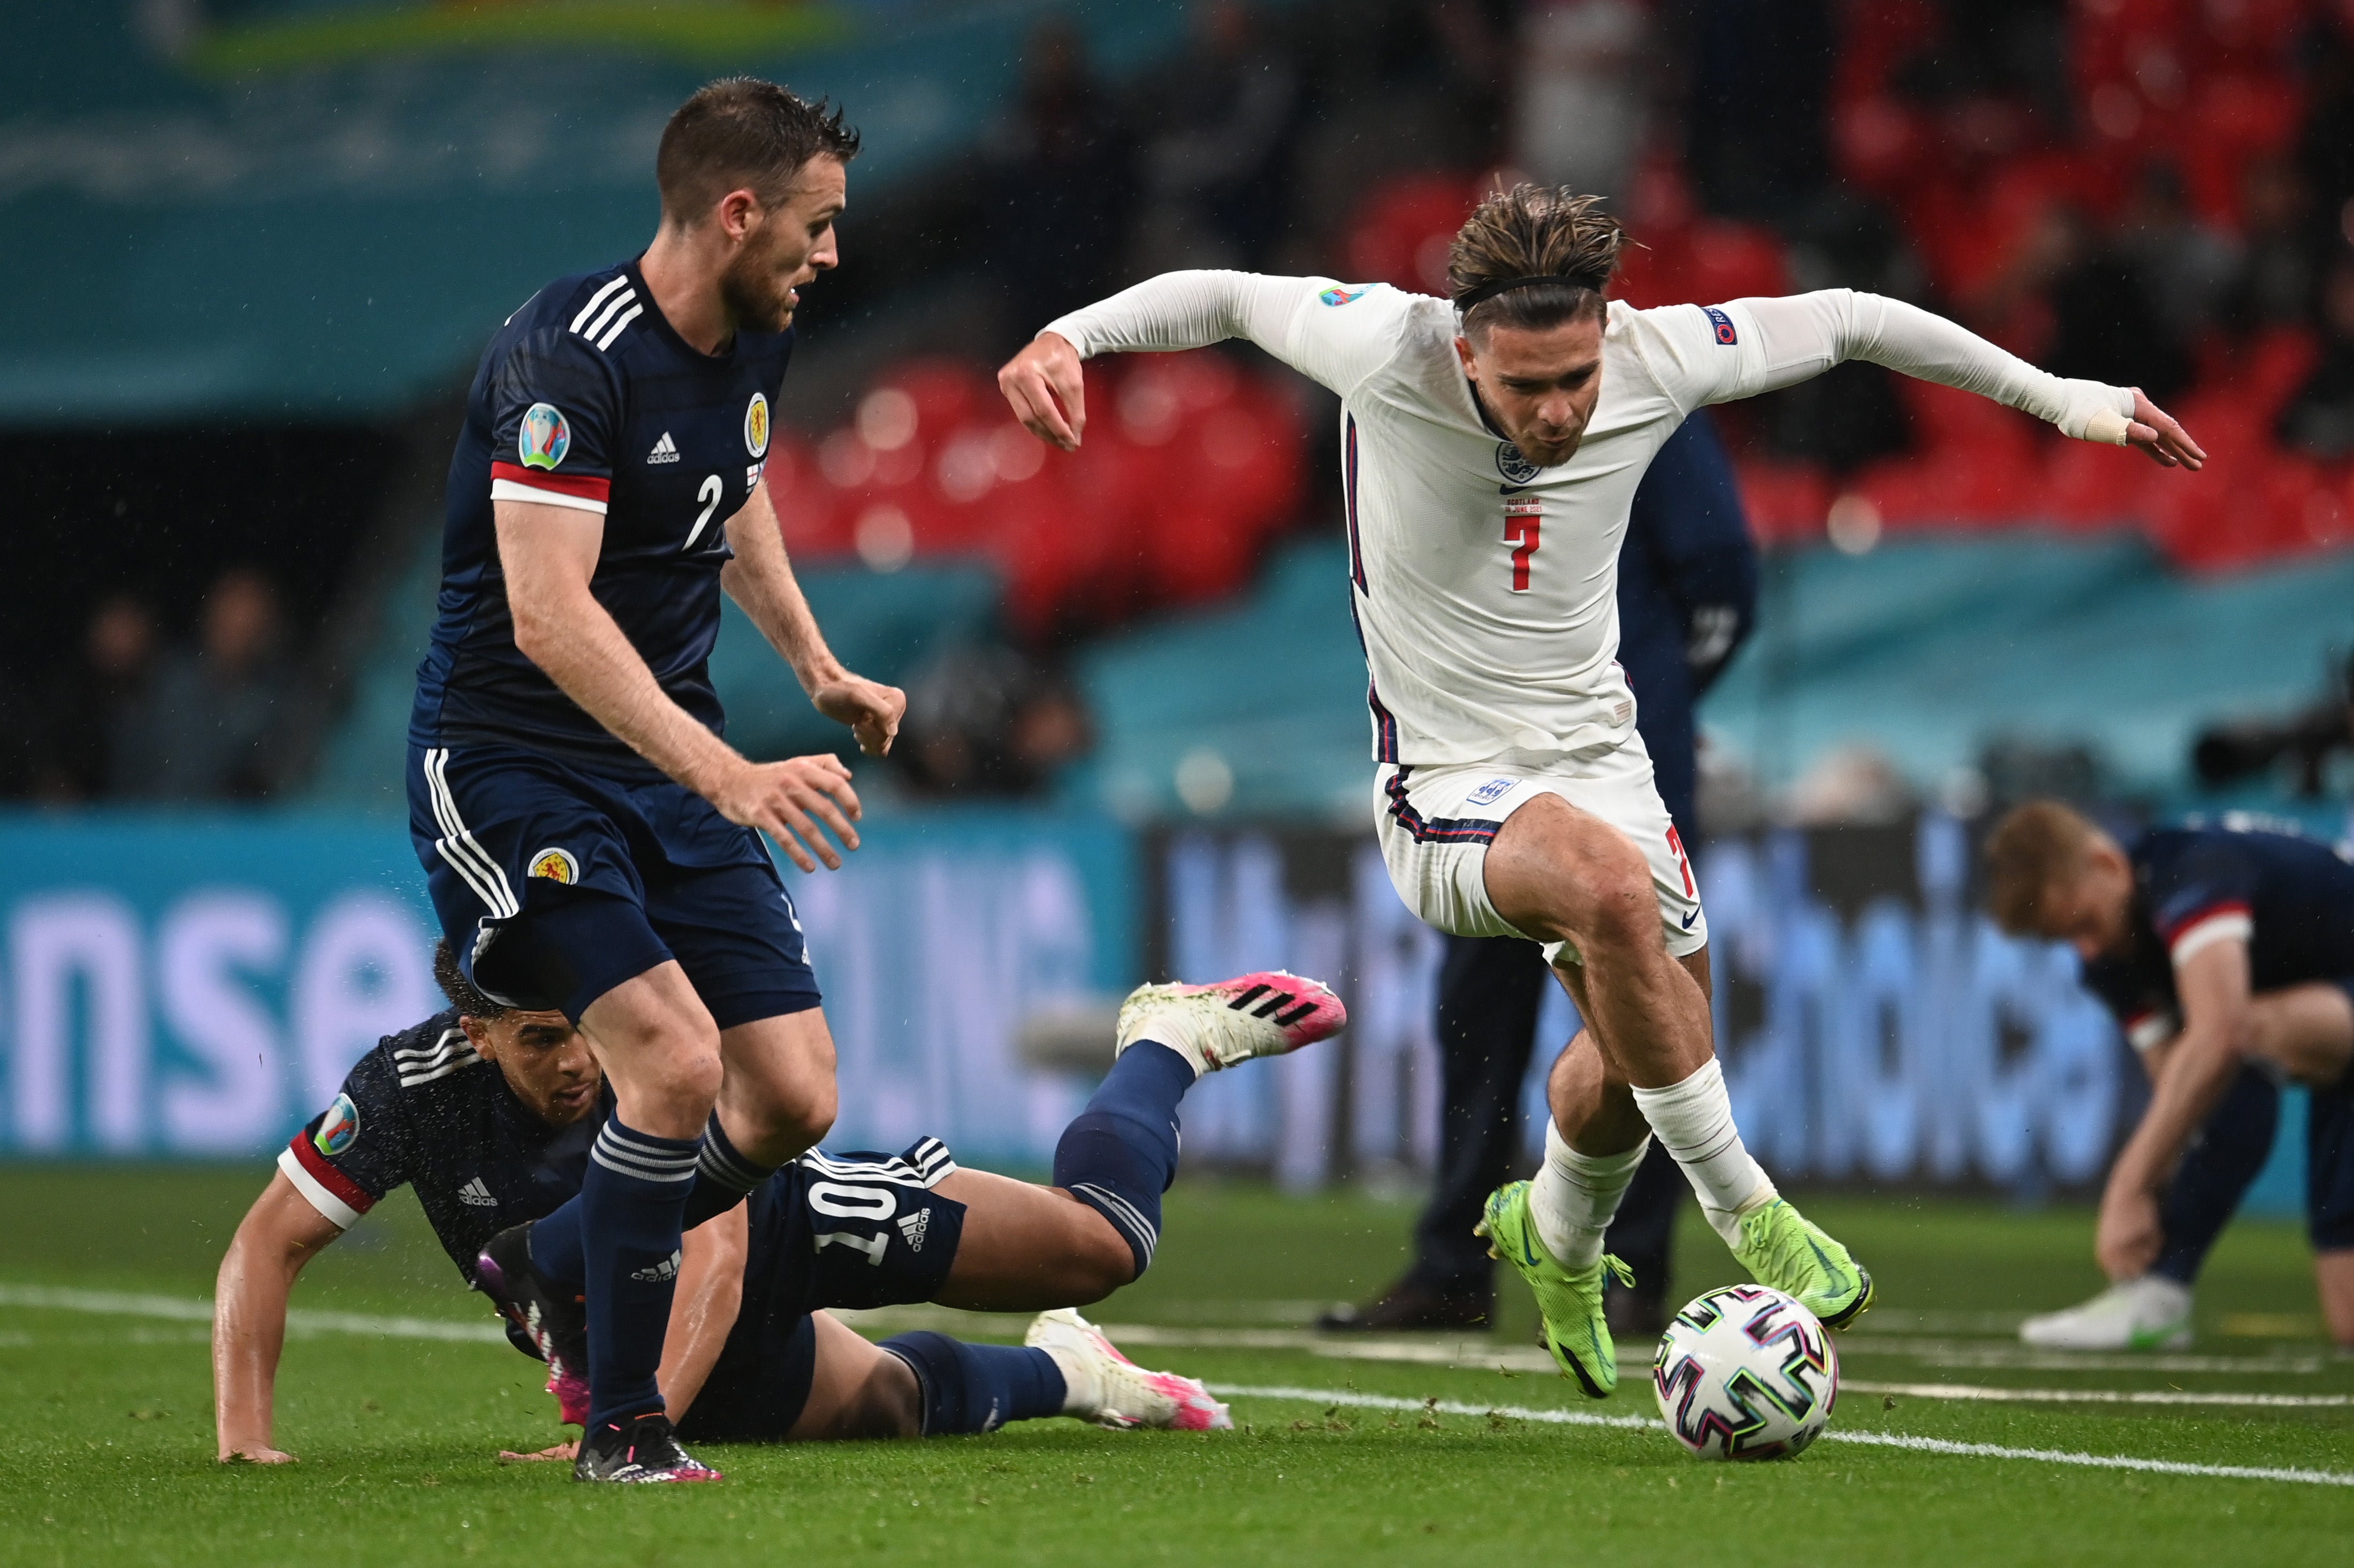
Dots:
{"x": 1436, "y": 825}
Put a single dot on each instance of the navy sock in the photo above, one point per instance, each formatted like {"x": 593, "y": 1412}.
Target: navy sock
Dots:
{"x": 1120, "y": 1154}
{"x": 555, "y": 1244}
{"x": 2226, "y": 1155}
{"x": 979, "y": 1388}
{"x": 722, "y": 1176}
{"x": 630, "y": 1205}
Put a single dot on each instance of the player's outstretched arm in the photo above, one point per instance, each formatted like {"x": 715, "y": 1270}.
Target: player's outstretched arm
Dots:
{"x": 703, "y": 1311}
{"x": 280, "y": 1234}
{"x": 1192, "y": 310}
{"x": 760, "y": 579}
{"x": 1792, "y": 338}
{"x": 2191, "y": 1081}
{"x": 550, "y": 554}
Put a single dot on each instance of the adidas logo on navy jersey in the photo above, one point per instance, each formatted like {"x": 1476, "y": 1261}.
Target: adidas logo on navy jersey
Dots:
{"x": 475, "y": 1195}
{"x": 913, "y": 1227}
{"x": 660, "y": 1272}
{"x": 665, "y": 449}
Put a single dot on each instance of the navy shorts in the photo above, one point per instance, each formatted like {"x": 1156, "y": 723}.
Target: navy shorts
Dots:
{"x": 555, "y": 884}
{"x": 853, "y": 1230}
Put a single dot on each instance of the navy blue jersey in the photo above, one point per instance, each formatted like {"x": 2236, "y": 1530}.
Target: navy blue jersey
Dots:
{"x": 587, "y": 398}
{"x": 2291, "y": 899}
{"x": 1687, "y": 597}
{"x": 423, "y": 1108}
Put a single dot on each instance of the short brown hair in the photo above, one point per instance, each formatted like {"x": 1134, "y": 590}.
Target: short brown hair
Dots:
{"x": 2034, "y": 845}
{"x": 740, "y": 133}
{"x": 1533, "y": 231}
{"x": 463, "y": 993}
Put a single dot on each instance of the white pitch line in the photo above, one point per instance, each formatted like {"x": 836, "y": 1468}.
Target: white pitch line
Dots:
{"x": 196, "y": 1310}
{"x": 1872, "y": 1439}
{"x": 2102, "y": 1395}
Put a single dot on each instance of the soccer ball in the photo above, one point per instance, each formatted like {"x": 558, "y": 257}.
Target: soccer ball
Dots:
{"x": 1745, "y": 1373}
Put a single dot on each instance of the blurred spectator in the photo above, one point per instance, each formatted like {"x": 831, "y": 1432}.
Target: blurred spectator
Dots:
{"x": 2326, "y": 153}
{"x": 1213, "y": 164}
{"x": 205, "y": 731}
{"x": 989, "y": 721}
{"x": 1854, "y": 785}
{"x": 84, "y": 713}
{"x": 2320, "y": 417}
{"x": 2100, "y": 319}
{"x": 1061, "y": 162}
{"x": 1583, "y": 99}
{"x": 2187, "y": 265}
{"x": 2275, "y": 284}
{"x": 1754, "y": 124}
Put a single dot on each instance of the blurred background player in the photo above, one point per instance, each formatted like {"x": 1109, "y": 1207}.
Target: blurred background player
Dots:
{"x": 1517, "y": 796}
{"x": 2228, "y": 958}
{"x": 489, "y": 1112}
{"x": 1687, "y": 598}
{"x": 591, "y": 844}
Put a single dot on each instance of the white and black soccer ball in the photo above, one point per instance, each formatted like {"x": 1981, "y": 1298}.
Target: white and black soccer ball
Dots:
{"x": 1745, "y": 1373}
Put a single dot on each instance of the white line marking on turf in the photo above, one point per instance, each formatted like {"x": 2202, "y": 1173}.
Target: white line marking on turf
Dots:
{"x": 1872, "y": 1439}
{"x": 196, "y": 1310}
{"x": 2101, "y": 1395}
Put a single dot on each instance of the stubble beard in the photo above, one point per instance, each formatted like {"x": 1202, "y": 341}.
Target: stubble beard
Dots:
{"x": 755, "y": 294}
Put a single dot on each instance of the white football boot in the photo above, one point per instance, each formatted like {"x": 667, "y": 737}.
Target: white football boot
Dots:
{"x": 1264, "y": 1014}
{"x": 1106, "y": 1388}
{"x": 2152, "y": 1313}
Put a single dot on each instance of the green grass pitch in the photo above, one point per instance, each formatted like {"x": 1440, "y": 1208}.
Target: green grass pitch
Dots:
{"x": 108, "y": 1454}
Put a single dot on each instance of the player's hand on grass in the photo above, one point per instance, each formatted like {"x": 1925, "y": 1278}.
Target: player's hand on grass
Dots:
{"x": 788, "y": 799}
{"x": 1047, "y": 390}
{"x": 2130, "y": 1236}
{"x": 871, "y": 709}
{"x": 2158, "y": 433}
{"x": 566, "y": 1452}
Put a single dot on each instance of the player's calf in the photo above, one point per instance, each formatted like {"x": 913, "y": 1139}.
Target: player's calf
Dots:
{"x": 1120, "y": 1154}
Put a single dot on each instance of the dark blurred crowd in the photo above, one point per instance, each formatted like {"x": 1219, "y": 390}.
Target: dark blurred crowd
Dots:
{"x": 132, "y": 715}
{"x": 2128, "y": 189}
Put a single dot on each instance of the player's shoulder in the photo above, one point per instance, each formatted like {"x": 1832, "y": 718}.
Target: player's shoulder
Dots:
{"x": 434, "y": 1051}
{"x": 576, "y": 324}
{"x": 1670, "y": 341}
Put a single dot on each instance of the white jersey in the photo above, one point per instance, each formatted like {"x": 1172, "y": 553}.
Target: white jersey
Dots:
{"x": 1485, "y": 588}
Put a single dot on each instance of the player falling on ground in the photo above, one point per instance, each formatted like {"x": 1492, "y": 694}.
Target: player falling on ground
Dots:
{"x": 490, "y": 1113}
{"x": 2217, "y": 951}
{"x": 1490, "y": 446}
{"x": 591, "y": 844}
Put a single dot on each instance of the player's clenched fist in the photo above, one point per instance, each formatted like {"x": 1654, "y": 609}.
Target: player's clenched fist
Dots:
{"x": 870, "y": 709}
{"x": 1047, "y": 390}
{"x": 788, "y": 799}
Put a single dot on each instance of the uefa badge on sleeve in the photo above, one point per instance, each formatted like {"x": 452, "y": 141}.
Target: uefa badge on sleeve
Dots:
{"x": 543, "y": 438}
{"x": 339, "y": 1129}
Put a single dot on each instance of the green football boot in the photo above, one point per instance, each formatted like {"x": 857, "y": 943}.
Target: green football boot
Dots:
{"x": 1570, "y": 1301}
{"x": 1781, "y": 1248}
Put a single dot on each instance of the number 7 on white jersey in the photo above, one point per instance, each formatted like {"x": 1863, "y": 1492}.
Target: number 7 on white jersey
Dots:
{"x": 1523, "y": 520}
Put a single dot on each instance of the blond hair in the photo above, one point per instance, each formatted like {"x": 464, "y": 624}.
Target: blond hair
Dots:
{"x": 2034, "y": 848}
{"x": 1532, "y": 257}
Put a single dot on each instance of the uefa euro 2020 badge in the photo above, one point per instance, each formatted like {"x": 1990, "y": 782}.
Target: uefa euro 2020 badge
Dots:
{"x": 339, "y": 1129}
{"x": 543, "y": 438}
{"x": 1341, "y": 294}
{"x": 755, "y": 425}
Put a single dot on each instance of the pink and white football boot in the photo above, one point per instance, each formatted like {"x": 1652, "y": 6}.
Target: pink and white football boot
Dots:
{"x": 1106, "y": 1388}
{"x": 1265, "y": 1013}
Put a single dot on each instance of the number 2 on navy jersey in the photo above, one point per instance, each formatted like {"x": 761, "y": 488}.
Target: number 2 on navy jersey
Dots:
{"x": 709, "y": 492}
{"x": 1524, "y": 522}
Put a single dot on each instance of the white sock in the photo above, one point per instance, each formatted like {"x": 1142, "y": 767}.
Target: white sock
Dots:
{"x": 1694, "y": 1123}
{"x": 1574, "y": 1196}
